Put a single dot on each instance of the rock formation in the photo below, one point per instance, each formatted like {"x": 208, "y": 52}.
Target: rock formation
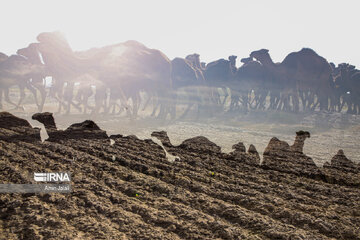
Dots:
{"x": 163, "y": 137}
{"x": 14, "y": 128}
{"x": 200, "y": 144}
{"x": 342, "y": 170}
{"x": 240, "y": 155}
{"x": 299, "y": 141}
{"x": 86, "y": 129}
{"x": 278, "y": 155}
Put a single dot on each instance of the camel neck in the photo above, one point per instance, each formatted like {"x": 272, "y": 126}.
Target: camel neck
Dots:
{"x": 267, "y": 61}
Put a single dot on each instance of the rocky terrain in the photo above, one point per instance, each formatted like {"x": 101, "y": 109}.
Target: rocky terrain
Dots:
{"x": 127, "y": 188}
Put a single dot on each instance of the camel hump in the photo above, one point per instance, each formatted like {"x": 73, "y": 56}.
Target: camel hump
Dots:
{"x": 134, "y": 43}
{"x": 217, "y": 63}
{"x": 308, "y": 51}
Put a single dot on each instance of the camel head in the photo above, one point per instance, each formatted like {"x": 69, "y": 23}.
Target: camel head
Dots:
{"x": 232, "y": 59}
{"x": 28, "y": 51}
{"x": 260, "y": 55}
{"x": 194, "y": 59}
{"x": 246, "y": 60}
{"x": 332, "y": 65}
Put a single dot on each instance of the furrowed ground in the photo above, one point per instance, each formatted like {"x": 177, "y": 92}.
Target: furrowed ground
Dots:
{"x": 132, "y": 189}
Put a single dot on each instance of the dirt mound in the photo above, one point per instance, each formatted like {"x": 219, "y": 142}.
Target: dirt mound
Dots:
{"x": 15, "y": 129}
{"x": 129, "y": 190}
{"x": 86, "y": 129}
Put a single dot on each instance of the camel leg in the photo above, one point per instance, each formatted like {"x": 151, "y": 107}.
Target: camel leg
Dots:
{"x": 234, "y": 101}
{"x": 246, "y": 101}
{"x": 33, "y": 91}
{"x": 58, "y": 94}
{"x": 262, "y": 99}
{"x": 279, "y": 106}
{"x": 43, "y": 97}
{"x": 342, "y": 104}
{"x": 311, "y": 105}
{"x": 252, "y": 102}
{"x": 155, "y": 110}
{"x": 22, "y": 95}
{"x": 1, "y": 96}
{"x": 274, "y": 100}
{"x": 189, "y": 106}
{"x": 295, "y": 101}
{"x": 303, "y": 100}
{"x": 135, "y": 106}
{"x": 226, "y": 95}
{"x": 147, "y": 102}
{"x": 7, "y": 98}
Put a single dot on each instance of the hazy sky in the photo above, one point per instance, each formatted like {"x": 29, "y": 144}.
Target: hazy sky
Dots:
{"x": 213, "y": 28}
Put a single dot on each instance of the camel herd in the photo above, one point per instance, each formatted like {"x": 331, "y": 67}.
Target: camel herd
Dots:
{"x": 129, "y": 76}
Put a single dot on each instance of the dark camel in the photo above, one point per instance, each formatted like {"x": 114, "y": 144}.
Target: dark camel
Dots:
{"x": 189, "y": 81}
{"x": 128, "y": 65}
{"x": 16, "y": 70}
{"x": 249, "y": 77}
{"x": 303, "y": 71}
{"x": 37, "y": 79}
{"x": 218, "y": 74}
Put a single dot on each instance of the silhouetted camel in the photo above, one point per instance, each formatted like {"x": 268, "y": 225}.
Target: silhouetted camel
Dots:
{"x": 128, "y": 65}
{"x": 16, "y": 70}
{"x": 37, "y": 79}
{"x": 303, "y": 71}
{"x": 188, "y": 81}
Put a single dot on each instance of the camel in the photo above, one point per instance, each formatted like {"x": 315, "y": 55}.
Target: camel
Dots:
{"x": 342, "y": 74}
{"x": 64, "y": 67}
{"x": 218, "y": 74}
{"x": 37, "y": 80}
{"x": 348, "y": 85}
{"x": 304, "y": 71}
{"x": 249, "y": 77}
{"x": 128, "y": 65}
{"x": 16, "y": 70}
{"x": 187, "y": 78}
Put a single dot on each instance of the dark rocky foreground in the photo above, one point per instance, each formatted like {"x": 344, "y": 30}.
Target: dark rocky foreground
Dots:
{"x": 131, "y": 190}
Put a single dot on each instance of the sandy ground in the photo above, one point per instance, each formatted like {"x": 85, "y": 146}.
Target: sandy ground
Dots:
{"x": 329, "y": 131}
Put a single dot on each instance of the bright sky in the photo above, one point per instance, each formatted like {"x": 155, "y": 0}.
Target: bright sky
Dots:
{"x": 213, "y": 28}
